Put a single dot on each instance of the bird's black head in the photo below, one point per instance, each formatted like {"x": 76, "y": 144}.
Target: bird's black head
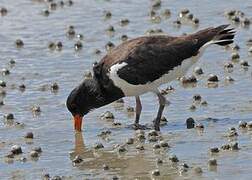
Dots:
{"x": 82, "y": 99}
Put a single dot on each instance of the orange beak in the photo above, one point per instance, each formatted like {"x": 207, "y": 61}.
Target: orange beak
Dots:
{"x": 77, "y": 122}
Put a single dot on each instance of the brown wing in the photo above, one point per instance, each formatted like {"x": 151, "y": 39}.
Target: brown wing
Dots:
{"x": 123, "y": 52}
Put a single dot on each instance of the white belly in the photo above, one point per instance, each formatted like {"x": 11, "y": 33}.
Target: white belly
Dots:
{"x": 136, "y": 90}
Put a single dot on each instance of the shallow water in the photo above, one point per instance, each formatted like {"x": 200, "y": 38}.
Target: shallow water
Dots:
{"x": 38, "y": 67}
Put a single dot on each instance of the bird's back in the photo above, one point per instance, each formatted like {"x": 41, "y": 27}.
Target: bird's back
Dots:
{"x": 144, "y": 60}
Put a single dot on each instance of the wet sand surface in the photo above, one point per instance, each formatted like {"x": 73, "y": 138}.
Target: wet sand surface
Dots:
{"x": 38, "y": 67}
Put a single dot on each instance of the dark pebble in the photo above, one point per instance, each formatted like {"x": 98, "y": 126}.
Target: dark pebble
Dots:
{"x": 236, "y": 47}
{"x": 107, "y": 14}
{"x": 166, "y": 13}
{"x": 110, "y": 28}
{"x": 156, "y": 146}
{"x": 130, "y": 109}
{"x": 16, "y": 149}
{"x": 80, "y": 36}
{"x": 198, "y": 71}
{"x": 159, "y": 161}
{"x": 51, "y": 45}
{"x": 115, "y": 178}
{"x": 250, "y": 50}
{"x": 69, "y": 2}
{"x": 19, "y": 43}
{"x": 184, "y": 165}
{"x": 249, "y": 124}
{"x": 246, "y": 22}
{"x": 37, "y": 149}
{"x": 213, "y": 78}
{"x": 190, "y": 123}
{"x": 97, "y": 51}
{"x": 122, "y": 149}
{"x": 190, "y": 79}
{"x": 242, "y": 124}
{"x": 46, "y": 12}
{"x": 177, "y": 22}
{"x": 173, "y": 158}
{"x": 199, "y": 126}
{"x": 124, "y": 37}
{"x": 228, "y": 65}
{"x": 9, "y": 116}
{"x": 235, "y": 19}
{"x": 244, "y": 63}
{"x": 53, "y": 6}
{"x": 197, "y": 97}
{"x": 130, "y": 141}
{"x": 59, "y": 46}
{"x": 249, "y": 42}
{"x": 164, "y": 144}
{"x": 156, "y": 172}
{"x": 140, "y": 147}
{"x": 22, "y": 87}
{"x": 98, "y": 146}
{"x": 61, "y": 3}
{"x": 78, "y": 46}
{"x": 192, "y": 108}
{"x": 55, "y": 86}
{"x": 46, "y": 177}
{"x": 34, "y": 154}
{"x": 3, "y": 11}
{"x": 153, "y": 133}
{"x": 12, "y": 61}
{"x": 183, "y": 12}
{"x": 2, "y": 92}
{"x": 2, "y": 83}
{"x": 197, "y": 170}
{"x": 56, "y": 178}
{"x": 5, "y": 71}
{"x": 234, "y": 146}
{"x": 214, "y": 150}
{"x": 229, "y": 79}
{"x": 117, "y": 124}
{"x": 212, "y": 162}
{"x": 195, "y": 20}
{"x": 124, "y": 22}
{"x": 29, "y": 135}
{"x": 109, "y": 46}
{"x": 71, "y": 33}
{"x": 107, "y": 115}
{"x": 235, "y": 56}
{"x": 77, "y": 159}
{"x": 189, "y": 16}
{"x": 105, "y": 167}
{"x": 152, "y": 13}
{"x": 156, "y": 4}
{"x": 36, "y": 109}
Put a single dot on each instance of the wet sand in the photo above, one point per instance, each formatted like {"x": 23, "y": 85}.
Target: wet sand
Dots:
{"x": 38, "y": 67}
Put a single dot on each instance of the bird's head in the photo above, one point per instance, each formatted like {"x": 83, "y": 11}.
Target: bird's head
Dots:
{"x": 82, "y": 99}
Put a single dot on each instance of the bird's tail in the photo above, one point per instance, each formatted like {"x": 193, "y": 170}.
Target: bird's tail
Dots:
{"x": 219, "y": 35}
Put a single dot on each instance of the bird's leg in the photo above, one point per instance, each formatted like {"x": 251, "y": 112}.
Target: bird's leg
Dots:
{"x": 138, "y": 112}
{"x": 162, "y": 102}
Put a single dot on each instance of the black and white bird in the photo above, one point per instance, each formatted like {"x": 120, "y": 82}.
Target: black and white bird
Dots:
{"x": 141, "y": 65}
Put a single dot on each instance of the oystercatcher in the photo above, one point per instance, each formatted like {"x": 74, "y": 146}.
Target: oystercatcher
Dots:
{"x": 141, "y": 65}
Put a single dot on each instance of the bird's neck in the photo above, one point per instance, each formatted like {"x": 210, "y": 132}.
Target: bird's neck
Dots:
{"x": 106, "y": 95}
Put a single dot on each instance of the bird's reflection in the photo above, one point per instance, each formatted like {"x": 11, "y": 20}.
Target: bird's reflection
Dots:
{"x": 79, "y": 144}
{"x": 119, "y": 164}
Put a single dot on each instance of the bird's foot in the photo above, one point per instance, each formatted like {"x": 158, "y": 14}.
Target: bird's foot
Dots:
{"x": 156, "y": 128}
{"x": 139, "y": 126}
